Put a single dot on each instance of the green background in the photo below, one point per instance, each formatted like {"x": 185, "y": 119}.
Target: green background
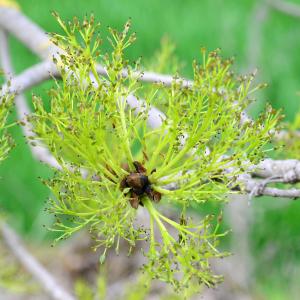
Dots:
{"x": 190, "y": 24}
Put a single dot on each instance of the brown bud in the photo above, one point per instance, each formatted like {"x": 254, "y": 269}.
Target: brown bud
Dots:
{"x": 139, "y": 167}
{"x": 123, "y": 184}
{"x": 137, "y": 181}
{"x": 154, "y": 196}
{"x": 134, "y": 202}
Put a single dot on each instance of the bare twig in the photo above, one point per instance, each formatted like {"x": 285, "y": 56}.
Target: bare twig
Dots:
{"x": 151, "y": 77}
{"x": 291, "y": 9}
{"x": 258, "y": 188}
{"x": 275, "y": 192}
{"x": 47, "y": 281}
{"x": 30, "y": 77}
{"x": 258, "y": 17}
{"x": 288, "y": 170}
{"x": 39, "y": 151}
{"x": 286, "y": 135}
{"x": 27, "y": 32}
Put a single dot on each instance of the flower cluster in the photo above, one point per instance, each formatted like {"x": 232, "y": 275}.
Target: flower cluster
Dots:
{"x": 5, "y": 140}
{"x": 114, "y": 164}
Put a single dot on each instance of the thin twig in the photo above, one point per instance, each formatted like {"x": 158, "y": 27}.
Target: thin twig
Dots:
{"x": 288, "y": 170}
{"x": 284, "y": 135}
{"x": 291, "y": 9}
{"x": 47, "y": 281}
{"x": 258, "y": 17}
{"x": 30, "y": 34}
{"x": 39, "y": 151}
{"x": 30, "y": 77}
{"x": 257, "y": 188}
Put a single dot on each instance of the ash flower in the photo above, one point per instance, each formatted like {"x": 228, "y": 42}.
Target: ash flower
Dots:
{"x": 129, "y": 165}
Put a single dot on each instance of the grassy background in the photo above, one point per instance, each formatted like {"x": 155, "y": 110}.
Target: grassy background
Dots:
{"x": 191, "y": 24}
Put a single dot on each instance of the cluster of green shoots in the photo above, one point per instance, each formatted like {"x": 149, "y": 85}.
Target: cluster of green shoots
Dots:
{"x": 114, "y": 164}
{"x": 5, "y": 140}
{"x": 138, "y": 289}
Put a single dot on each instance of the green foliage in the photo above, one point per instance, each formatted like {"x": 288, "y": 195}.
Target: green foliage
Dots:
{"x": 83, "y": 291}
{"x": 5, "y": 140}
{"x": 137, "y": 289}
{"x": 113, "y": 163}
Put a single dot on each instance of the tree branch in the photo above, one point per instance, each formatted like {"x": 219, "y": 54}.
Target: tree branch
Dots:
{"x": 291, "y": 9}
{"x": 39, "y": 151}
{"x": 27, "y": 32}
{"x": 287, "y": 170}
{"x": 258, "y": 17}
{"x": 257, "y": 188}
{"x": 47, "y": 281}
{"x": 30, "y": 77}
{"x": 286, "y": 135}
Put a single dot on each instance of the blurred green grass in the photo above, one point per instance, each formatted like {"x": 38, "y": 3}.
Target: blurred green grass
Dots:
{"x": 191, "y": 24}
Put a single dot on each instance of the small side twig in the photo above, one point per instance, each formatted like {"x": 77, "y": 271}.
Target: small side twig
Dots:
{"x": 258, "y": 188}
{"x": 286, "y": 135}
{"x": 29, "y": 78}
{"x": 291, "y": 9}
{"x": 258, "y": 17}
{"x": 39, "y": 151}
{"x": 287, "y": 170}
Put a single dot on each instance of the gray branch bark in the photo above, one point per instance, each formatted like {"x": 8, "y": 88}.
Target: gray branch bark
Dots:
{"x": 39, "y": 151}
{"x": 291, "y": 9}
